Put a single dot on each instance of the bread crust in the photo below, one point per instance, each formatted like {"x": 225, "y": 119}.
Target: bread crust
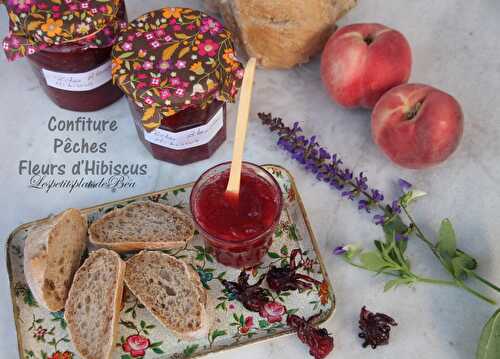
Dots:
{"x": 281, "y": 33}
{"x": 41, "y": 243}
{"x": 125, "y": 246}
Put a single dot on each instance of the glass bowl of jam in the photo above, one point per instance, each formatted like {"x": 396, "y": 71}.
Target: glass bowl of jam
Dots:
{"x": 178, "y": 68}
{"x": 241, "y": 233}
{"x": 68, "y": 45}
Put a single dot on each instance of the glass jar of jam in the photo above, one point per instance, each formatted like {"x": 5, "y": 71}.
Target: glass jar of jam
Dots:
{"x": 188, "y": 136}
{"x": 240, "y": 233}
{"x": 69, "y": 48}
{"x": 178, "y": 68}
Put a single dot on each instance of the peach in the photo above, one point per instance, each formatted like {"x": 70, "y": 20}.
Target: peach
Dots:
{"x": 417, "y": 126}
{"x": 361, "y": 62}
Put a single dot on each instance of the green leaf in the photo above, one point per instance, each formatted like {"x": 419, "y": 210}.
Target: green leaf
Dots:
{"x": 273, "y": 255}
{"x": 397, "y": 282}
{"x": 284, "y": 250}
{"x": 217, "y": 333}
{"x": 372, "y": 261}
{"x": 126, "y": 55}
{"x": 391, "y": 284}
{"x": 293, "y": 233}
{"x": 489, "y": 342}
{"x": 190, "y": 350}
{"x": 395, "y": 225}
{"x": 263, "y": 324}
{"x": 411, "y": 196}
{"x": 463, "y": 263}
{"x": 447, "y": 241}
{"x": 158, "y": 350}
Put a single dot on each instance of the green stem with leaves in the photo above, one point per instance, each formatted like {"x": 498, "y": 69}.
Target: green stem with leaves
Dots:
{"x": 459, "y": 283}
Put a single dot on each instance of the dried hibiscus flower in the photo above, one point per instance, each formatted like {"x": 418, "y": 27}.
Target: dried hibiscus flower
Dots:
{"x": 253, "y": 297}
{"x": 287, "y": 278}
{"x": 318, "y": 339}
{"x": 375, "y": 328}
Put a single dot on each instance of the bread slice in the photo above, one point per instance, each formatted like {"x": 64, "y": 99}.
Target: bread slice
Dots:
{"x": 171, "y": 290}
{"x": 52, "y": 254}
{"x": 93, "y": 306}
{"x": 142, "y": 225}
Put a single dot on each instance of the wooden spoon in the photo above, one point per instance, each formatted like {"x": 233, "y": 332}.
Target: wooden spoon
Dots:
{"x": 233, "y": 186}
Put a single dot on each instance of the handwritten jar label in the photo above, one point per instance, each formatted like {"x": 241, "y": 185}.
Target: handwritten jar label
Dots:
{"x": 85, "y": 81}
{"x": 187, "y": 139}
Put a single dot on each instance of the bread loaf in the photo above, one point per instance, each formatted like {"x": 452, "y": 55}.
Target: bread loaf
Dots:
{"x": 52, "y": 254}
{"x": 93, "y": 306}
{"x": 142, "y": 225}
{"x": 281, "y": 33}
{"x": 171, "y": 290}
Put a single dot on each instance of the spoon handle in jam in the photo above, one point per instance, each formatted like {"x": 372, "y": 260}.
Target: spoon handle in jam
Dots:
{"x": 233, "y": 185}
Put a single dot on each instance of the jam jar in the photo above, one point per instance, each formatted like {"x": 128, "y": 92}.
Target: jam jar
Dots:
{"x": 239, "y": 233}
{"x": 178, "y": 68}
{"x": 68, "y": 45}
{"x": 188, "y": 136}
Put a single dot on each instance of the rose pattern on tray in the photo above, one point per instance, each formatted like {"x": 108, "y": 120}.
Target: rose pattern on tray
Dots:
{"x": 43, "y": 335}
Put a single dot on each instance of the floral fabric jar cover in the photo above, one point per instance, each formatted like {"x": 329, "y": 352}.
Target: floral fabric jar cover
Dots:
{"x": 175, "y": 58}
{"x": 37, "y": 24}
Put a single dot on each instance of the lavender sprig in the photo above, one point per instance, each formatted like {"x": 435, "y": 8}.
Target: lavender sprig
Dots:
{"x": 325, "y": 166}
{"x": 389, "y": 257}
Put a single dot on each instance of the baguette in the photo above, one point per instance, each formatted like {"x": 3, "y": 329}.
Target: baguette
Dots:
{"x": 142, "y": 225}
{"x": 52, "y": 254}
{"x": 93, "y": 306}
{"x": 171, "y": 290}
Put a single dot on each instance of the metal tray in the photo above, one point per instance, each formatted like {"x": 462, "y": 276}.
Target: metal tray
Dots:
{"x": 43, "y": 335}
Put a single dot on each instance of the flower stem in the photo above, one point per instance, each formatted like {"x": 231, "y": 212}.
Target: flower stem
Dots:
{"x": 436, "y": 281}
{"x": 458, "y": 283}
{"x": 476, "y": 293}
{"x": 484, "y": 281}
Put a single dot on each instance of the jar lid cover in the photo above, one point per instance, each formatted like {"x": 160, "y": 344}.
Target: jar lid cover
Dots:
{"x": 175, "y": 58}
{"x": 36, "y": 24}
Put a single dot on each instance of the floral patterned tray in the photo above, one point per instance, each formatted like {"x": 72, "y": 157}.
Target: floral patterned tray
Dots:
{"x": 43, "y": 335}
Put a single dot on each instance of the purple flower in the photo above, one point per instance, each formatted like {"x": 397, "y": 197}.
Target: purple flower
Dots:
{"x": 395, "y": 207}
{"x": 364, "y": 204}
{"x": 338, "y": 251}
{"x": 349, "y": 194}
{"x": 361, "y": 181}
{"x": 323, "y": 154}
{"x": 404, "y": 185}
{"x": 379, "y": 219}
{"x": 377, "y": 196}
{"x": 325, "y": 166}
{"x": 163, "y": 66}
{"x": 400, "y": 237}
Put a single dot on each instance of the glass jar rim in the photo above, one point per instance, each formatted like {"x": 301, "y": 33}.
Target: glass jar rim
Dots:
{"x": 250, "y": 240}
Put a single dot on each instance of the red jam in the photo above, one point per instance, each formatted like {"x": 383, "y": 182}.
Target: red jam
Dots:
{"x": 76, "y": 77}
{"x": 178, "y": 68}
{"x": 188, "y": 136}
{"x": 75, "y": 59}
{"x": 239, "y": 234}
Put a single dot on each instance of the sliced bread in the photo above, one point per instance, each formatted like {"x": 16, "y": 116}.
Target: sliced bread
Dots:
{"x": 171, "y": 290}
{"x": 52, "y": 254}
{"x": 93, "y": 306}
{"x": 142, "y": 225}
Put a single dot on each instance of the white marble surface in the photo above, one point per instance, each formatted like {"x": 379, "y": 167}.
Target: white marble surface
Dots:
{"x": 455, "y": 47}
